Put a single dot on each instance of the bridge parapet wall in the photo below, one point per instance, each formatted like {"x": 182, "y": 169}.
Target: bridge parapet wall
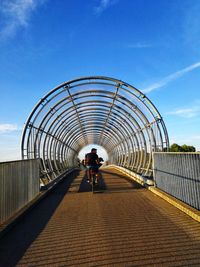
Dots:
{"x": 19, "y": 184}
{"x": 178, "y": 174}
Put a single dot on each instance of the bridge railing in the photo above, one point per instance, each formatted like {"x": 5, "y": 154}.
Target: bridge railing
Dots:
{"x": 19, "y": 184}
{"x": 178, "y": 174}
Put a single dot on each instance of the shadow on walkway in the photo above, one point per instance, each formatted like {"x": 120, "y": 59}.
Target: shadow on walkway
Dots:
{"x": 124, "y": 229}
{"x": 87, "y": 187}
{"x": 119, "y": 182}
{"x": 14, "y": 244}
{"x": 109, "y": 183}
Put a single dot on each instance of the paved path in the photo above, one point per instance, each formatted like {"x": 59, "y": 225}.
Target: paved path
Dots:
{"x": 122, "y": 225}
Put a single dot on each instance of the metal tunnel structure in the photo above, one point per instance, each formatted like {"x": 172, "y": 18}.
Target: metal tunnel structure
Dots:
{"x": 94, "y": 110}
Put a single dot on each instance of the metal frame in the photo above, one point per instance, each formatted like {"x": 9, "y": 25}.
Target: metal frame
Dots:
{"x": 94, "y": 110}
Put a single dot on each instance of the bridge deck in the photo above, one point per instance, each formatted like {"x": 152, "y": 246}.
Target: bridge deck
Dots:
{"x": 126, "y": 225}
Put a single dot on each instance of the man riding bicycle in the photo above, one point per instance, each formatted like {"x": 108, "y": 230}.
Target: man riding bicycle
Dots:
{"x": 92, "y": 164}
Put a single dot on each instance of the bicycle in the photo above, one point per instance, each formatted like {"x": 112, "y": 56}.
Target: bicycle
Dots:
{"x": 92, "y": 178}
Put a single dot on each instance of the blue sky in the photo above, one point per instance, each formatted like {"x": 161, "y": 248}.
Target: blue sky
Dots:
{"x": 153, "y": 45}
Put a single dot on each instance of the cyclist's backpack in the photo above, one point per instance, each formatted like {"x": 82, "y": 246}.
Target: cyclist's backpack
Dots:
{"x": 90, "y": 159}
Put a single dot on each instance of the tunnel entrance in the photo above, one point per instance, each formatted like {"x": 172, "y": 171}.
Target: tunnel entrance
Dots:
{"x": 94, "y": 110}
{"x": 100, "y": 151}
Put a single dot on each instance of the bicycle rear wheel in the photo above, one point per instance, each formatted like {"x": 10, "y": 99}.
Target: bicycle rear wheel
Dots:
{"x": 93, "y": 181}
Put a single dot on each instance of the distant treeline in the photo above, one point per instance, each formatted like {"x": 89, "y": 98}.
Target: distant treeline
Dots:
{"x": 183, "y": 148}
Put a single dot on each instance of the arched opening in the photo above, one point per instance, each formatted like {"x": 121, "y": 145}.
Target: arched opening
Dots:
{"x": 102, "y": 153}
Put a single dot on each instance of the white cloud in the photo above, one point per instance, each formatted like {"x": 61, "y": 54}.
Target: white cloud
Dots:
{"x": 16, "y": 14}
{"x": 139, "y": 45}
{"x": 171, "y": 77}
{"x": 186, "y": 112}
{"x": 10, "y": 148}
{"x": 10, "y": 153}
{"x": 6, "y": 128}
{"x": 103, "y": 5}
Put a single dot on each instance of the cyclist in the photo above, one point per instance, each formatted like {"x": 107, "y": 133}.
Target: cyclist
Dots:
{"x": 92, "y": 164}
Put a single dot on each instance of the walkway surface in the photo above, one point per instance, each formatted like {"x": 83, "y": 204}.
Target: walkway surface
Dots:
{"x": 121, "y": 225}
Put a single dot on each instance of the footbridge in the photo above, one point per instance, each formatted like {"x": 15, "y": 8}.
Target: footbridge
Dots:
{"x": 146, "y": 208}
{"x": 94, "y": 110}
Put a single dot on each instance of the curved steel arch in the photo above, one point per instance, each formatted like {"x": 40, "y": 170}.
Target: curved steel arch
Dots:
{"x": 94, "y": 110}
